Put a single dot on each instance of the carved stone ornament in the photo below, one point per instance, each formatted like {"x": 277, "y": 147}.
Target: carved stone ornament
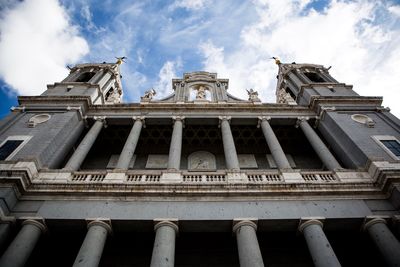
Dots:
{"x": 149, "y": 94}
{"x": 37, "y": 119}
{"x": 253, "y": 95}
{"x": 363, "y": 119}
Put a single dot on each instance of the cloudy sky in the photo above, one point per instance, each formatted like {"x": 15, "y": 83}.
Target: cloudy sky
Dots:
{"x": 164, "y": 39}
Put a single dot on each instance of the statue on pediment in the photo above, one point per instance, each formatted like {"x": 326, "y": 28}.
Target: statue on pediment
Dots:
{"x": 253, "y": 95}
{"x": 201, "y": 92}
{"x": 149, "y": 94}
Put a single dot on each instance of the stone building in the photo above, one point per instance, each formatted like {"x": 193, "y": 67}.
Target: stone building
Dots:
{"x": 201, "y": 177}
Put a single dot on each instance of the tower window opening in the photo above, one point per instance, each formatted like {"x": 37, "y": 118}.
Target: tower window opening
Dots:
{"x": 85, "y": 77}
{"x": 314, "y": 77}
{"x": 109, "y": 93}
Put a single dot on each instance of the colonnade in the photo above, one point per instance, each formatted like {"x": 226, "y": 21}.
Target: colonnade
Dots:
{"x": 231, "y": 158}
{"x": 166, "y": 230}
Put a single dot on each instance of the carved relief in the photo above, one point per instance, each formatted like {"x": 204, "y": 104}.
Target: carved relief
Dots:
{"x": 201, "y": 161}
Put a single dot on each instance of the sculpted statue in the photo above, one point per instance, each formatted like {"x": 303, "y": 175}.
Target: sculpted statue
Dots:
{"x": 149, "y": 94}
{"x": 201, "y": 92}
{"x": 253, "y": 95}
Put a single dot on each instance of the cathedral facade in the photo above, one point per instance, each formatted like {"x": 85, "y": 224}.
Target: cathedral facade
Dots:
{"x": 200, "y": 177}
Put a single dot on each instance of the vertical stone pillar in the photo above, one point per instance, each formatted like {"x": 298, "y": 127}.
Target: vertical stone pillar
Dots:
{"x": 85, "y": 145}
{"x": 92, "y": 247}
{"x": 384, "y": 240}
{"x": 130, "y": 144}
{"x": 174, "y": 158}
{"x": 318, "y": 245}
{"x": 164, "y": 244}
{"x": 21, "y": 247}
{"x": 5, "y": 230}
{"x": 248, "y": 248}
{"x": 231, "y": 158}
{"x": 273, "y": 144}
{"x": 319, "y": 147}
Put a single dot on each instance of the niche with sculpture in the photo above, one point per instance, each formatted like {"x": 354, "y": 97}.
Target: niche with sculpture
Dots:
{"x": 201, "y": 161}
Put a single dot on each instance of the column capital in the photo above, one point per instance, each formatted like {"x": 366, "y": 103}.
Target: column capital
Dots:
{"x": 224, "y": 118}
{"x": 237, "y": 223}
{"x": 173, "y": 223}
{"x": 104, "y": 222}
{"x": 371, "y": 220}
{"x": 261, "y": 119}
{"x": 300, "y": 120}
{"x": 101, "y": 119}
{"x": 36, "y": 221}
{"x": 179, "y": 118}
{"x": 141, "y": 119}
{"x": 307, "y": 221}
{"x": 7, "y": 219}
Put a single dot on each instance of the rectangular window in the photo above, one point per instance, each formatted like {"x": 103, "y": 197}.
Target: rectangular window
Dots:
{"x": 12, "y": 145}
{"x": 393, "y": 146}
{"x": 314, "y": 77}
{"x": 390, "y": 144}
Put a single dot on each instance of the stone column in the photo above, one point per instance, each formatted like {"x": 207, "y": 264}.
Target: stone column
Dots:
{"x": 85, "y": 145}
{"x": 164, "y": 244}
{"x": 273, "y": 144}
{"x": 174, "y": 158}
{"x": 318, "y": 245}
{"x": 231, "y": 158}
{"x": 384, "y": 240}
{"x": 21, "y": 247}
{"x": 130, "y": 144}
{"x": 319, "y": 147}
{"x": 92, "y": 247}
{"x": 5, "y": 229}
{"x": 248, "y": 248}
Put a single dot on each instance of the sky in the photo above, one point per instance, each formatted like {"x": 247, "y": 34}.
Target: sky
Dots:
{"x": 235, "y": 38}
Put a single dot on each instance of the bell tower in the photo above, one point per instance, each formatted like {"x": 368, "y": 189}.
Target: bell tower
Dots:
{"x": 101, "y": 82}
{"x": 302, "y": 84}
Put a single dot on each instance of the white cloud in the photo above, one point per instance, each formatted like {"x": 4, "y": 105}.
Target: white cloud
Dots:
{"x": 37, "y": 41}
{"x": 395, "y": 10}
{"x": 363, "y": 50}
{"x": 168, "y": 71}
{"x": 190, "y": 4}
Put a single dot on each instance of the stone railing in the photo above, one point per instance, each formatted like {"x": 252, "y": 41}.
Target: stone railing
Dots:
{"x": 148, "y": 176}
{"x": 34, "y": 176}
